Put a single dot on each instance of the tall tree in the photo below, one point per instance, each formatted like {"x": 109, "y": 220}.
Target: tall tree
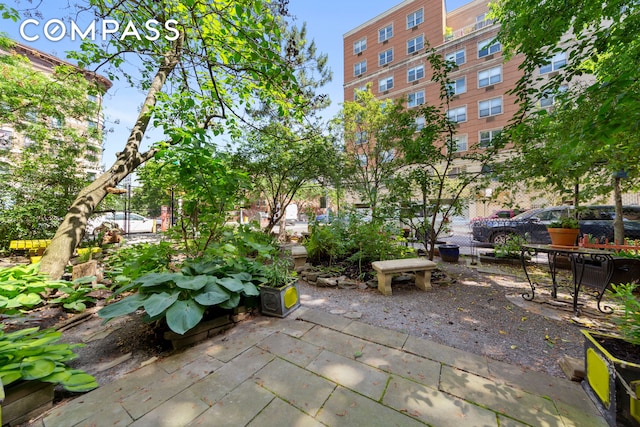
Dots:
{"x": 222, "y": 57}
{"x": 372, "y": 129}
{"x": 290, "y": 153}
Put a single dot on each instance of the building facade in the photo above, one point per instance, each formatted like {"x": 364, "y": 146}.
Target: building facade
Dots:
{"x": 12, "y": 141}
{"x": 389, "y": 53}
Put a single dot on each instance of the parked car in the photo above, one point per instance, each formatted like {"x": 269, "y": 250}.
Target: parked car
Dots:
{"x": 532, "y": 224}
{"x": 131, "y": 223}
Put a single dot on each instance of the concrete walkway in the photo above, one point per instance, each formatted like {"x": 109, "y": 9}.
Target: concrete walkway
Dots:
{"x": 318, "y": 369}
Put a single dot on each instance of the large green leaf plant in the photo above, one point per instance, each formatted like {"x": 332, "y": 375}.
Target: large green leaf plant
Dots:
{"x": 33, "y": 354}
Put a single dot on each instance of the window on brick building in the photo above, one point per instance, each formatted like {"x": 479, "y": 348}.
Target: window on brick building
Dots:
{"x": 558, "y": 61}
{"x": 360, "y": 68}
{"x": 458, "y": 86}
{"x": 461, "y": 143}
{"x": 488, "y": 47}
{"x": 415, "y": 73}
{"x": 385, "y": 84}
{"x": 458, "y": 57}
{"x": 360, "y": 46}
{"x": 415, "y": 18}
{"x": 385, "y": 33}
{"x": 458, "y": 114}
{"x": 415, "y": 44}
{"x": 416, "y": 98}
{"x": 490, "y": 107}
{"x": 490, "y": 76}
{"x": 385, "y": 57}
{"x": 486, "y": 136}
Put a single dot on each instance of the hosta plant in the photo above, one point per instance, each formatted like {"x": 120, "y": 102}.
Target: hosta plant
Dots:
{"x": 33, "y": 354}
{"x": 182, "y": 298}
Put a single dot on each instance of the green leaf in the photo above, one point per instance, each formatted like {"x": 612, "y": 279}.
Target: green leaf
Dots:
{"x": 232, "y": 284}
{"x": 184, "y": 315}
{"x": 37, "y": 369}
{"x": 232, "y": 302}
{"x": 212, "y": 294}
{"x": 192, "y": 283}
{"x": 153, "y": 279}
{"x": 243, "y": 276}
{"x": 158, "y": 303}
{"x": 80, "y": 381}
{"x": 251, "y": 290}
{"x": 123, "y": 307}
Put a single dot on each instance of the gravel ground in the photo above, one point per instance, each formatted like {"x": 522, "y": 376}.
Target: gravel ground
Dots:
{"x": 477, "y": 309}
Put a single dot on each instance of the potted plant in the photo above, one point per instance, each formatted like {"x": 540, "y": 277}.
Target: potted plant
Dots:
{"x": 564, "y": 231}
{"x": 612, "y": 364}
{"x": 279, "y": 294}
{"x": 32, "y": 362}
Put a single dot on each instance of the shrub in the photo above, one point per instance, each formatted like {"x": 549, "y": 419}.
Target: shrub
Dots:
{"x": 629, "y": 322}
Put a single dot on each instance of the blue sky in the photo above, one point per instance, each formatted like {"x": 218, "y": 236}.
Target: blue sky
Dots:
{"x": 326, "y": 20}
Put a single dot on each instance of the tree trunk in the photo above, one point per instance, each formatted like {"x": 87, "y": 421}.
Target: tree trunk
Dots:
{"x": 72, "y": 229}
{"x": 618, "y": 224}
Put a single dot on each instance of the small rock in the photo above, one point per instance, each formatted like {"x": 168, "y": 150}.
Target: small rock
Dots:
{"x": 327, "y": 282}
{"x": 373, "y": 283}
{"x": 344, "y": 283}
{"x": 353, "y": 315}
{"x": 339, "y": 312}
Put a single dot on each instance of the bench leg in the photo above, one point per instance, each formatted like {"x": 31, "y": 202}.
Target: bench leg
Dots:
{"x": 423, "y": 280}
{"x": 384, "y": 283}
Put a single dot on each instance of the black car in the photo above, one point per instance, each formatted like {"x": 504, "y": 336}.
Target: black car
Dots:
{"x": 596, "y": 221}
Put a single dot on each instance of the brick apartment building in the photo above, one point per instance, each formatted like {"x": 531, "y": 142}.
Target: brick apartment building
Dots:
{"x": 388, "y": 51}
{"x": 11, "y": 140}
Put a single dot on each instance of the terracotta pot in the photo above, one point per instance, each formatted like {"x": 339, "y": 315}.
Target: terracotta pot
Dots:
{"x": 563, "y": 236}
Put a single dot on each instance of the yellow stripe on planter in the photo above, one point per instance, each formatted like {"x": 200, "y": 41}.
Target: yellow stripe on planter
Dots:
{"x": 598, "y": 376}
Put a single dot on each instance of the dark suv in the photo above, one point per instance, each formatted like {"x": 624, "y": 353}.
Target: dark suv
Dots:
{"x": 532, "y": 224}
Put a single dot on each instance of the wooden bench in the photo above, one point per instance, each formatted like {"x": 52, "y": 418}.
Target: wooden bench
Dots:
{"x": 386, "y": 269}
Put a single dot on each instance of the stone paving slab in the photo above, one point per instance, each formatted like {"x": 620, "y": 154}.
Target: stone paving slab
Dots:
{"x": 346, "y": 408}
{"x": 294, "y": 350}
{"x": 387, "y": 337}
{"x": 299, "y": 387}
{"x": 281, "y": 372}
{"x": 351, "y": 374}
{"x": 237, "y": 408}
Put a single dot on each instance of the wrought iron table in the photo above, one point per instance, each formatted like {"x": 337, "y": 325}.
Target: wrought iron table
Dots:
{"x": 578, "y": 257}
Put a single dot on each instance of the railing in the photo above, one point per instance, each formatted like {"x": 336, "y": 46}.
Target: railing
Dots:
{"x": 630, "y": 245}
{"x": 467, "y": 30}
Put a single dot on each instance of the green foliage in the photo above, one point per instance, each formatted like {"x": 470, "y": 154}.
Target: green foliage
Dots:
{"x": 220, "y": 279}
{"x": 629, "y": 322}
{"x": 278, "y": 273}
{"x": 564, "y": 222}
{"x": 23, "y": 288}
{"x": 33, "y": 354}
{"x": 130, "y": 262}
{"x": 39, "y": 181}
{"x": 511, "y": 248}
{"x": 356, "y": 241}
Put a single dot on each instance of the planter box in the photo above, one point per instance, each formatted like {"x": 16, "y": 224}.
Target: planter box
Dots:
{"x": 25, "y": 400}
{"x": 202, "y": 331}
{"x": 613, "y": 384}
{"x": 279, "y": 302}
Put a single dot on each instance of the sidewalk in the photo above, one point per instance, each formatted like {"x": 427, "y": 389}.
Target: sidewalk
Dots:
{"x": 318, "y": 369}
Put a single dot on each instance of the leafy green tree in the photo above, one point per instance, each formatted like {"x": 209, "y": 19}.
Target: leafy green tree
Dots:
{"x": 598, "y": 39}
{"x": 46, "y": 153}
{"x": 289, "y": 153}
{"x": 223, "y": 57}
{"x": 437, "y": 175}
{"x": 372, "y": 130}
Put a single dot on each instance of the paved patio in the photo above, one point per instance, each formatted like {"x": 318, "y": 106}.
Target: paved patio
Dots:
{"x": 319, "y": 369}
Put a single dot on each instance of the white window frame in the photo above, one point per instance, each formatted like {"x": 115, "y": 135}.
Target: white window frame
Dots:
{"x": 558, "y": 61}
{"x": 360, "y": 68}
{"x": 355, "y": 92}
{"x": 361, "y": 137}
{"x": 458, "y": 86}
{"x": 454, "y": 114}
{"x": 412, "y": 44}
{"x": 385, "y": 84}
{"x": 362, "y": 160}
{"x": 415, "y": 98}
{"x": 461, "y": 143}
{"x": 385, "y": 57}
{"x": 387, "y": 156}
{"x": 415, "y": 73}
{"x": 385, "y": 33}
{"x": 360, "y": 46}
{"x": 548, "y": 98}
{"x": 421, "y": 122}
{"x": 490, "y": 48}
{"x": 492, "y": 106}
{"x": 416, "y": 18}
{"x": 492, "y": 133}
{"x": 490, "y": 75}
{"x": 453, "y": 57}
